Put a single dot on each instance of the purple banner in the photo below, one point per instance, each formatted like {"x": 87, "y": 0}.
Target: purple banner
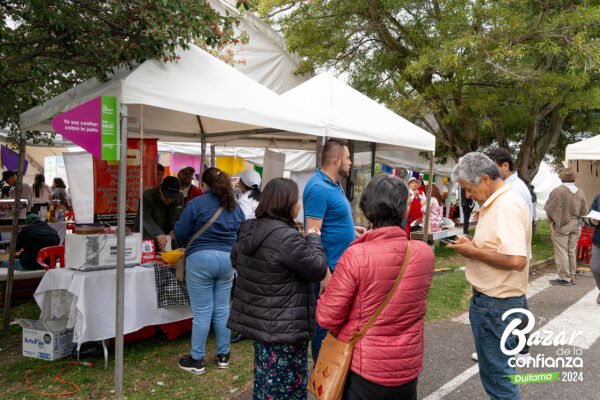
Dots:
{"x": 82, "y": 125}
{"x": 10, "y": 159}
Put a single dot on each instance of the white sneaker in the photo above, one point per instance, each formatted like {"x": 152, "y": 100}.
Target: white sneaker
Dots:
{"x": 524, "y": 356}
{"x": 474, "y": 357}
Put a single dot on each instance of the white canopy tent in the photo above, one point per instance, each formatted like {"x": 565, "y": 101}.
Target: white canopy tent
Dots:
{"x": 352, "y": 115}
{"x": 165, "y": 101}
{"x": 584, "y": 156}
{"x": 588, "y": 149}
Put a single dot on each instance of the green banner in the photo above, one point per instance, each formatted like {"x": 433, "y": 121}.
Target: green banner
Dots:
{"x": 110, "y": 128}
{"x": 539, "y": 377}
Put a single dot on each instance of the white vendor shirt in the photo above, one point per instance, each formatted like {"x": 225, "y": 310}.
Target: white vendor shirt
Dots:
{"x": 522, "y": 189}
{"x": 247, "y": 205}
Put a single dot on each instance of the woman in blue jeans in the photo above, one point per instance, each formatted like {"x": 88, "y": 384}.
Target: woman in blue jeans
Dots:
{"x": 209, "y": 274}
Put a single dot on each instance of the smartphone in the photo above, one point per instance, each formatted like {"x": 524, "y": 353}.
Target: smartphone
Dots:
{"x": 448, "y": 241}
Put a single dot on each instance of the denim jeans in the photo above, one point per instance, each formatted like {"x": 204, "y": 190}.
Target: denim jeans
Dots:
{"x": 595, "y": 264}
{"x": 18, "y": 265}
{"x": 485, "y": 314}
{"x": 208, "y": 277}
{"x": 315, "y": 343}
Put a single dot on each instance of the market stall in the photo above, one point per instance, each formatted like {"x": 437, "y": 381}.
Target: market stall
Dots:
{"x": 200, "y": 98}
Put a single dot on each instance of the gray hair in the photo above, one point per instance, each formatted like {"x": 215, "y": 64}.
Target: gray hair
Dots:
{"x": 473, "y": 166}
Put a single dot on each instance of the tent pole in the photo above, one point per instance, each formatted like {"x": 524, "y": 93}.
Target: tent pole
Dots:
{"x": 213, "y": 155}
{"x": 373, "y": 151}
{"x": 428, "y": 201}
{"x": 120, "y": 285}
{"x": 202, "y": 146}
{"x": 202, "y": 153}
{"x": 15, "y": 229}
{"x": 319, "y": 149}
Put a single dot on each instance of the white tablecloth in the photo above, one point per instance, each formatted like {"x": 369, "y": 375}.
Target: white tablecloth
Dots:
{"x": 88, "y": 300}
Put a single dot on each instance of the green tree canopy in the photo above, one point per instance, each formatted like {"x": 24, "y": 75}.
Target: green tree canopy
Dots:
{"x": 48, "y": 46}
{"x": 474, "y": 72}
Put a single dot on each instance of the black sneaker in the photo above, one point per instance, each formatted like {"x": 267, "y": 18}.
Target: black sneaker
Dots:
{"x": 238, "y": 337}
{"x": 223, "y": 360}
{"x": 560, "y": 282}
{"x": 194, "y": 366}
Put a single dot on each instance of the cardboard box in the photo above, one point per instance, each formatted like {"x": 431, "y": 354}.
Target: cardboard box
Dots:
{"x": 46, "y": 340}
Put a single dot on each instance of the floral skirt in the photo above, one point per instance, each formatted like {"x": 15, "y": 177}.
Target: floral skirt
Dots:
{"x": 280, "y": 371}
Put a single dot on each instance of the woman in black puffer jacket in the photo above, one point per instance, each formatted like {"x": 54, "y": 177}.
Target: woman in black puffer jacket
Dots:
{"x": 274, "y": 304}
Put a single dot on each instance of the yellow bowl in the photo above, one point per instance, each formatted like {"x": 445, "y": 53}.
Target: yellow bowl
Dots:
{"x": 171, "y": 257}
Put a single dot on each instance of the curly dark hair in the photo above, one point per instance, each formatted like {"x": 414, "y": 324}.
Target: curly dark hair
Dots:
{"x": 220, "y": 184}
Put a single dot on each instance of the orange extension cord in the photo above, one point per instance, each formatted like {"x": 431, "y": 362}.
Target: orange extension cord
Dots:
{"x": 58, "y": 378}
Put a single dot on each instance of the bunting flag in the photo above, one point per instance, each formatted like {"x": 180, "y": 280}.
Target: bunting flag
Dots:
{"x": 387, "y": 169}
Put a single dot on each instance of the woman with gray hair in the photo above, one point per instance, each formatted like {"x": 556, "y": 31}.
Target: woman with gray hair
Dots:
{"x": 363, "y": 277}
{"x": 497, "y": 266}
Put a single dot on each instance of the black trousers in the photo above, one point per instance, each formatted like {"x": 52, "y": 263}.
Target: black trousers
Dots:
{"x": 358, "y": 388}
{"x": 467, "y": 215}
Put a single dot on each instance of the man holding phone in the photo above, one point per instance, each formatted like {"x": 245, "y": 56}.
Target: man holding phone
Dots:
{"x": 497, "y": 266}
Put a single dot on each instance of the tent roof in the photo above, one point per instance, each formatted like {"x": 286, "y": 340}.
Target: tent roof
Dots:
{"x": 588, "y": 149}
{"x": 264, "y": 58}
{"x": 176, "y": 101}
{"x": 352, "y": 115}
{"x": 179, "y": 99}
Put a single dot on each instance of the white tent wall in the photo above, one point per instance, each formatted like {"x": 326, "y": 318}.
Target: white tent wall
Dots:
{"x": 544, "y": 182}
{"x": 588, "y": 178}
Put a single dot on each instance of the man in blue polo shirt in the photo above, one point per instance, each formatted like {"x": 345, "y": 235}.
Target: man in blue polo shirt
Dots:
{"x": 327, "y": 209}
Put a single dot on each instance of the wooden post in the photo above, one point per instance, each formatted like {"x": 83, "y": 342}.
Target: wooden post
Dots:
{"x": 15, "y": 232}
{"x": 428, "y": 201}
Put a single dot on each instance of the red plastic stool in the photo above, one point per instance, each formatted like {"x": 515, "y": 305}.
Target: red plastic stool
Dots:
{"x": 584, "y": 245}
{"x": 51, "y": 253}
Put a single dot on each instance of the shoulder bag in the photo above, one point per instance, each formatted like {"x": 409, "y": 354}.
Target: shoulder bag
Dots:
{"x": 180, "y": 269}
{"x": 328, "y": 378}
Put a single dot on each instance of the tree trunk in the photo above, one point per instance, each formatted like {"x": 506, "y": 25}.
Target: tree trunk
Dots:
{"x": 540, "y": 137}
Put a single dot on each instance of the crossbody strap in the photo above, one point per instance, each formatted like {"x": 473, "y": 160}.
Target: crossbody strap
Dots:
{"x": 206, "y": 226}
{"x": 357, "y": 336}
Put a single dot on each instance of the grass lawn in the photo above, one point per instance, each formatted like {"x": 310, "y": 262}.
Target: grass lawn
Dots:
{"x": 151, "y": 370}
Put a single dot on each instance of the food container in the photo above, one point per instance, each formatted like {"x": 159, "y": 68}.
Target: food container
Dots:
{"x": 171, "y": 257}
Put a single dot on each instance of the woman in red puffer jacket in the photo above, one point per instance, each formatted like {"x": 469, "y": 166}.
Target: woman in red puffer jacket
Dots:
{"x": 389, "y": 358}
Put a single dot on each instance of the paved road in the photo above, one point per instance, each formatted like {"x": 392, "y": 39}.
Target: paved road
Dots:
{"x": 450, "y": 374}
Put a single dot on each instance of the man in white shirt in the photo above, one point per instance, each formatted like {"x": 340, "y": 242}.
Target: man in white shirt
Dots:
{"x": 506, "y": 166}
